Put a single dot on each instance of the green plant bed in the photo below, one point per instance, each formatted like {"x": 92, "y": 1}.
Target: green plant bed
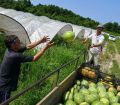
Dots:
{"x": 115, "y": 69}
{"x": 34, "y": 95}
{"x": 51, "y": 59}
{"x": 110, "y": 48}
{"x": 117, "y": 42}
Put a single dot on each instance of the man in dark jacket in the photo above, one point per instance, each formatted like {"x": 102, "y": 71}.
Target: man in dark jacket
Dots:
{"x": 13, "y": 58}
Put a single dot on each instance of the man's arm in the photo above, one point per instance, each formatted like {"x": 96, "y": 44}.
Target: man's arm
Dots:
{"x": 99, "y": 44}
{"x": 84, "y": 41}
{"x": 40, "y": 53}
{"x": 34, "y": 44}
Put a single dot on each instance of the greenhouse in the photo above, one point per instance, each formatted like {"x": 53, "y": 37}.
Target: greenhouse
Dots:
{"x": 29, "y": 27}
{"x": 79, "y": 31}
{"x": 88, "y": 31}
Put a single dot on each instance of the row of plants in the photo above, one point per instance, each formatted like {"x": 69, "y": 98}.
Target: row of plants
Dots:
{"x": 52, "y": 58}
{"x": 110, "y": 48}
{"x": 115, "y": 70}
{"x": 111, "y": 51}
{"x": 117, "y": 43}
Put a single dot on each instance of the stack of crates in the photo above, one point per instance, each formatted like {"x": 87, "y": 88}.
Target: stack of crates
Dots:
{"x": 88, "y": 72}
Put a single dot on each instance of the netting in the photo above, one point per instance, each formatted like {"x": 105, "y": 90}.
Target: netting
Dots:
{"x": 29, "y": 27}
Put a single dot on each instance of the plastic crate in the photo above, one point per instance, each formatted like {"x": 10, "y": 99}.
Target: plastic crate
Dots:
{"x": 107, "y": 79}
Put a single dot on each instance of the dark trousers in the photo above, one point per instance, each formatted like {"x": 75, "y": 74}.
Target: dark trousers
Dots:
{"x": 4, "y": 95}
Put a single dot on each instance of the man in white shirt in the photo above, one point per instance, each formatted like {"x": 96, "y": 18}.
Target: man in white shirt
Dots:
{"x": 95, "y": 49}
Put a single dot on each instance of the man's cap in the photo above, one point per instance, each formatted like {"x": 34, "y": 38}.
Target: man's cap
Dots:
{"x": 100, "y": 26}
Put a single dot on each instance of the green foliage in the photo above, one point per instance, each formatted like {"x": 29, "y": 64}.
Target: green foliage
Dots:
{"x": 106, "y": 37}
{"x": 19, "y": 5}
{"x": 2, "y": 47}
{"x": 34, "y": 95}
{"x": 113, "y": 33}
{"x": 115, "y": 69}
{"x": 110, "y": 48}
{"x": 52, "y": 58}
{"x": 112, "y": 27}
{"x": 117, "y": 43}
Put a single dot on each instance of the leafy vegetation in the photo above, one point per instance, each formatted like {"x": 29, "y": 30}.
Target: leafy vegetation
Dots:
{"x": 113, "y": 49}
{"x": 112, "y": 27}
{"x": 110, "y": 48}
{"x": 117, "y": 43}
{"x": 31, "y": 72}
{"x": 2, "y": 47}
{"x": 115, "y": 70}
{"x": 55, "y": 56}
{"x": 52, "y": 58}
{"x": 19, "y": 5}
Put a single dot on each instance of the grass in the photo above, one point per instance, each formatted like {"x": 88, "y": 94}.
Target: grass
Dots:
{"x": 115, "y": 70}
{"x": 110, "y": 48}
{"x": 117, "y": 42}
{"x": 52, "y": 58}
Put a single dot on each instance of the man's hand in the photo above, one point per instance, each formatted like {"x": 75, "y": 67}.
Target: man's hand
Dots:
{"x": 34, "y": 44}
{"x": 40, "y": 53}
{"x": 44, "y": 39}
{"x": 83, "y": 41}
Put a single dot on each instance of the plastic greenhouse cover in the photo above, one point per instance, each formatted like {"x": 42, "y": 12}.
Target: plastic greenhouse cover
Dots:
{"x": 79, "y": 31}
{"x": 6, "y": 25}
{"x": 88, "y": 31}
{"x": 29, "y": 27}
{"x": 93, "y": 31}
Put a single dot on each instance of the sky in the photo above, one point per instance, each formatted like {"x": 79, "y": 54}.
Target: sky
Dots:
{"x": 102, "y": 11}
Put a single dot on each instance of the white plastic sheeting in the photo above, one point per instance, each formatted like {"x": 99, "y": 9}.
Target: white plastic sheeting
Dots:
{"x": 6, "y": 25}
{"x": 88, "y": 31}
{"x": 29, "y": 27}
{"x": 51, "y": 28}
{"x": 93, "y": 31}
{"x": 79, "y": 31}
